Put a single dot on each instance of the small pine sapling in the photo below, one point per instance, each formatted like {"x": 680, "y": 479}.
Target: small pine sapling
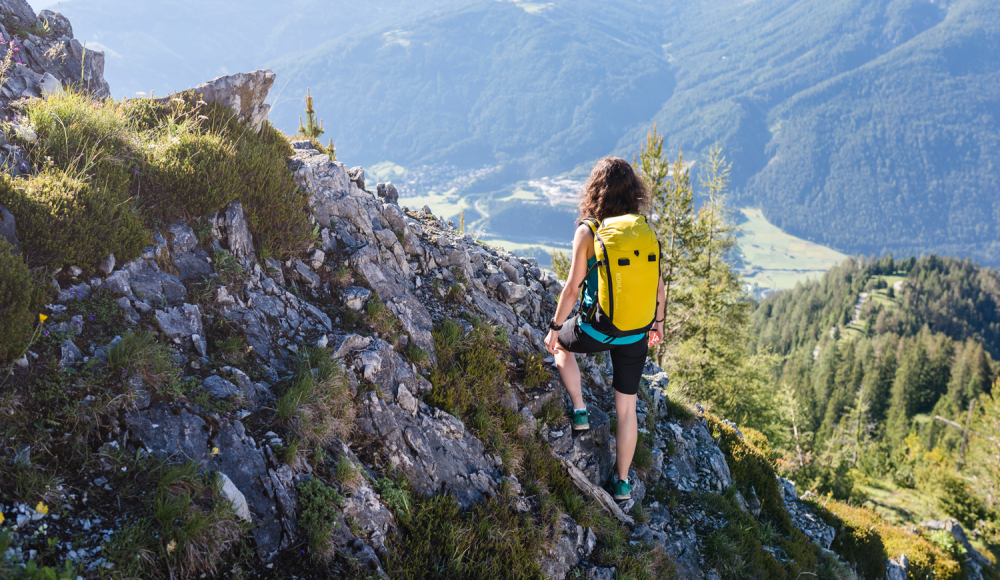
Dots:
{"x": 311, "y": 129}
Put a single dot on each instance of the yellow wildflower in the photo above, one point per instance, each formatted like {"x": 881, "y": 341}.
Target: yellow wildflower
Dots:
{"x": 2, "y": 518}
{"x": 215, "y": 451}
{"x": 42, "y": 508}
{"x": 171, "y": 546}
{"x": 42, "y": 317}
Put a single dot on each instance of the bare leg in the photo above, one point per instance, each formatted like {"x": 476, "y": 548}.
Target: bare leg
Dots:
{"x": 569, "y": 372}
{"x": 628, "y": 432}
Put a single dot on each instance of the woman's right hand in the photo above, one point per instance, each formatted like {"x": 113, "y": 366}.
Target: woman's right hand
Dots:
{"x": 656, "y": 334}
{"x": 552, "y": 342}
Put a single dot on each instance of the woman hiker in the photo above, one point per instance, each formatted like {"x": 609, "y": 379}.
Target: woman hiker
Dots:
{"x": 624, "y": 264}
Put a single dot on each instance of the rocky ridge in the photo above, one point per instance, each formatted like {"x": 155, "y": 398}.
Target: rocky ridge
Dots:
{"x": 424, "y": 271}
{"x": 193, "y": 285}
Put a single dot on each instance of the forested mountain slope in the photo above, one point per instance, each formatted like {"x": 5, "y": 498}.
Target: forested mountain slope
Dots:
{"x": 869, "y": 356}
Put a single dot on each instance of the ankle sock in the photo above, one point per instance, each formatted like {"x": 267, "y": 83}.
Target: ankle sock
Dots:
{"x": 583, "y": 410}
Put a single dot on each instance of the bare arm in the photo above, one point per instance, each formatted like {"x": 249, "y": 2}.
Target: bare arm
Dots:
{"x": 582, "y": 241}
{"x": 656, "y": 333}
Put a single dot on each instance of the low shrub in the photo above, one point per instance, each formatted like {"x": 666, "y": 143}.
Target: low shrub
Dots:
{"x": 866, "y": 532}
{"x": 275, "y": 206}
{"x": 180, "y": 158}
{"x": 958, "y": 501}
{"x": 751, "y": 468}
{"x": 470, "y": 369}
{"x": 379, "y": 316}
{"x": 318, "y": 516}
{"x": 858, "y": 540}
{"x": 192, "y": 173}
{"x": 64, "y": 219}
{"x": 21, "y": 296}
{"x": 535, "y": 373}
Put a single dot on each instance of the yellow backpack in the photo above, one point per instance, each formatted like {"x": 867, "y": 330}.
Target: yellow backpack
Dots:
{"x": 628, "y": 266}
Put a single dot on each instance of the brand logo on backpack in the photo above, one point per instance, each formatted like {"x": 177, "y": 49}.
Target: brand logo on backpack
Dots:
{"x": 618, "y": 283}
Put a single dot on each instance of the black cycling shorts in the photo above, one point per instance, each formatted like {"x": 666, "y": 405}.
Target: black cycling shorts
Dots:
{"x": 627, "y": 360}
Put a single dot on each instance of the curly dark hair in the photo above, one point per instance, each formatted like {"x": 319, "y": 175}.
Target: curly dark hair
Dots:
{"x": 613, "y": 189}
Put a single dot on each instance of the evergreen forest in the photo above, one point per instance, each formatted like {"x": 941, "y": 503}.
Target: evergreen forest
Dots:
{"x": 882, "y": 364}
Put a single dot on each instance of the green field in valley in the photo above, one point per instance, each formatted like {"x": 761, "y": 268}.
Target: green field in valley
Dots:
{"x": 771, "y": 259}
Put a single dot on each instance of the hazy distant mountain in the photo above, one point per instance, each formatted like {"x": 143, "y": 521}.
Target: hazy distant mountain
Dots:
{"x": 868, "y": 126}
{"x": 169, "y": 45}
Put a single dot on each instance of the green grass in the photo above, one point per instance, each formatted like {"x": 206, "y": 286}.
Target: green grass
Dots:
{"x": 188, "y": 525}
{"x": 139, "y": 354}
{"x": 316, "y": 406}
{"x": 318, "y": 516}
{"x": 106, "y": 172}
{"x": 783, "y": 257}
{"x": 438, "y": 541}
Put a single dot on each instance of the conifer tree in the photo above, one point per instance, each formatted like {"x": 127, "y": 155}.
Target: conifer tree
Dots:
{"x": 311, "y": 129}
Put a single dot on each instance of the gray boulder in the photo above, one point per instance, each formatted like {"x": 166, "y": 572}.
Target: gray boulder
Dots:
{"x": 219, "y": 387}
{"x": 568, "y": 548}
{"x": 193, "y": 264}
{"x": 600, "y": 574}
{"x": 384, "y": 367}
{"x": 21, "y": 10}
{"x": 166, "y": 434}
{"x": 107, "y": 265}
{"x": 65, "y": 64}
{"x": 306, "y": 275}
{"x": 897, "y": 569}
{"x": 355, "y": 297}
{"x": 357, "y": 175}
{"x": 244, "y": 93}
{"x": 143, "y": 279}
{"x": 267, "y": 488}
{"x": 698, "y": 464}
{"x": 58, "y": 24}
{"x": 76, "y": 292}
{"x": 231, "y": 229}
{"x": 589, "y": 451}
{"x": 236, "y": 497}
{"x": 387, "y": 191}
{"x": 71, "y": 354}
{"x": 182, "y": 324}
{"x": 434, "y": 451}
{"x": 804, "y": 518}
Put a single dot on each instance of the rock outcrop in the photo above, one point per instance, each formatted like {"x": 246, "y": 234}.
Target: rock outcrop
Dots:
{"x": 46, "y": 57}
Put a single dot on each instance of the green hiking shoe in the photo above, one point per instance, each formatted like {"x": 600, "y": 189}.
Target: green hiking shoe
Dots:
{"x": 581, "y": 420}
{"x": 622, "y": 489}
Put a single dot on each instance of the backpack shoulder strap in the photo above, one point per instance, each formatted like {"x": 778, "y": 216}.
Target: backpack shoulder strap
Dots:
{"x": 593, "y": 224}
